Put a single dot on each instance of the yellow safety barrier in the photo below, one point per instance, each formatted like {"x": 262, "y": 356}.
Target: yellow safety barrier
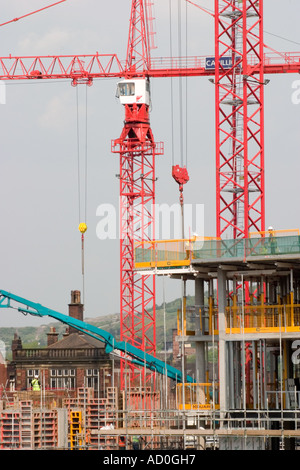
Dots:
{"x": 167, "y": 253}
{"x": 263, "y": 318}
{"x": 260, "y": 318}
{"x": 197, "y": 396}
{"x": 75, "y": 430}
{"x": 275, "y": 233}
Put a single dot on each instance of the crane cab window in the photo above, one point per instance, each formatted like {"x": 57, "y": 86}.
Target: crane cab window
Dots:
{"x": 126, "y": 89}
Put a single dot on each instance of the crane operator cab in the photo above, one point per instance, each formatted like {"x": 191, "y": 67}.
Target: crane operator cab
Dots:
{"x": 134, "y": 91}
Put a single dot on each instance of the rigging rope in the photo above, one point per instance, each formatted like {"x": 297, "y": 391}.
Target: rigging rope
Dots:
{"x": 78, "y": 157}
{"x": 86, "y": 154}
{"x": 180, "y": 83}
{"x": 186, "y": 87}
{"x": 179, "y": 173}
{"x": 32, "y": 13}
{"x": 82, "y": 224}
{"x": 182, "y": 94}
{"x": 172, "y": 107}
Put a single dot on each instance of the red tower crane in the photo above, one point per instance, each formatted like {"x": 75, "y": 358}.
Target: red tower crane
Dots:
{"x": 138, "y": 152}
{"x": 239, "y": 83}
{"x": 239, "y": 117}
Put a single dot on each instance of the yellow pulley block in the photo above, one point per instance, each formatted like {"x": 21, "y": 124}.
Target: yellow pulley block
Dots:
{"x": 82, "y": 227}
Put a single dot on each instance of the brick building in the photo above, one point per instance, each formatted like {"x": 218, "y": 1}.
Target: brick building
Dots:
{"x": 76, "y": 360}
{"x": 3, "y": 370}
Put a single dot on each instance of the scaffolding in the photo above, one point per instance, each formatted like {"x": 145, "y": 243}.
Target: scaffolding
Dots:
{"x": 245, "y": 327}
{"x": 95, "y": 426}
{"x": 245, "y": 394}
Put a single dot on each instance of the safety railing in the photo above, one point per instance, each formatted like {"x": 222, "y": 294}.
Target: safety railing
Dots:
{"x": 197, "y": 396}
{"x": 199, "y": 62}
{"x": 248, "y": 319}
{"x": 246, "y": 247}
{"x": 285, "y": 399}
{"x": 272, "y": 242}
{"x": 161, "y": 253}
{"x": 263, "y": 318}
{"x": 169, "y": 253}
{"x": 277, "y": 233}
{"x": 181, "y": 252}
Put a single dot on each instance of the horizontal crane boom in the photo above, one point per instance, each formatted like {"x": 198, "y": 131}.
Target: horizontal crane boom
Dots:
{"x": 93, "y": 66}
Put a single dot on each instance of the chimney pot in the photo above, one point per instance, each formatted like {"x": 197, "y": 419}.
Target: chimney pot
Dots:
{"x": 75, "y": 297}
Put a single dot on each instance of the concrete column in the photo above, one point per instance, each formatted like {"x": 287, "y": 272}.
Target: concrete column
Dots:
{"x": 254, "y": 373}
{"x": 200, "y": 345}
{"x": 222, "y": 340}
{"x": 231, "y": 374}
{"x": 62, "y": 428}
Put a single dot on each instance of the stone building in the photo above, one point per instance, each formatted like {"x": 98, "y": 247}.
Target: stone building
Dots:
{"x": 76, "y": 360}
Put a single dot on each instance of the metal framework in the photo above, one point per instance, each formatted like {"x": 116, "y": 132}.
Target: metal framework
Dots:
{"x": 138, "y": 49}
{"x": 239, "y": 133}
{"x": 94, "y": 66}
{"x": 239, "y": 117}
{"x": 137, "y": 151}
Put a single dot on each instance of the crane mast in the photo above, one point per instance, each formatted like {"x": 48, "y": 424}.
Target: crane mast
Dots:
{"x": 239, "y": 117}
{"x": 138, "y": 151}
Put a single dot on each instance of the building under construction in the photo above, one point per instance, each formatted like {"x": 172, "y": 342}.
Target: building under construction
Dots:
{"x": 245, "y": 324}
{"x": 245, "y": 328}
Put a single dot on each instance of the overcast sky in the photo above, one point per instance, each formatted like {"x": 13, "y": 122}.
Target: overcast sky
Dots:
{"x": 40, "y": 241}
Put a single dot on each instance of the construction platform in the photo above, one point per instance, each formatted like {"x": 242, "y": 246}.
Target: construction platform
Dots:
{"x": 247, "y": 310}
{"x": 274, "y": 308}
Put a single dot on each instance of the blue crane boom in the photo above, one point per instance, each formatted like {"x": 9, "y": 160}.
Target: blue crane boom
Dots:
{"x": 134, "y": 354}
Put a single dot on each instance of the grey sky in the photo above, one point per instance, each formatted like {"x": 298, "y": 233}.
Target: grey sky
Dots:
{"x": 40, "y": 242}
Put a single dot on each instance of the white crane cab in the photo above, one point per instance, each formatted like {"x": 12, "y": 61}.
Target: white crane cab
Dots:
{"x": 133, "y": 91}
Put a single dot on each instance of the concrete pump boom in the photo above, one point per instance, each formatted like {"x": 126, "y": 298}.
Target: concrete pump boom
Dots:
{"x": 135, "y": 355}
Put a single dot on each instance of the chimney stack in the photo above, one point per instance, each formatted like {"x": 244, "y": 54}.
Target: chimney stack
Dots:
{"x": 75, "y": 308}
{"x": 16, "y": 345}
{"x": 52, "y": 336}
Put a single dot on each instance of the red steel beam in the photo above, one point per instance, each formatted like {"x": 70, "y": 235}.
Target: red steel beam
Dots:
{"x": 239, "y": 118}
{"x": 93, "y": 66}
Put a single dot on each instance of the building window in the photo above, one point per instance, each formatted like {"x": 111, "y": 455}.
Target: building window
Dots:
{"x": 92, "y": 378}
{"x": 126, "y": 89}
{"x": 30, "y": 375}
{"x": 62, "y": 378}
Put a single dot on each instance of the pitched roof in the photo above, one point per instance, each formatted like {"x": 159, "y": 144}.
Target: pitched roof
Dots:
{"x": 75, "y": 341}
